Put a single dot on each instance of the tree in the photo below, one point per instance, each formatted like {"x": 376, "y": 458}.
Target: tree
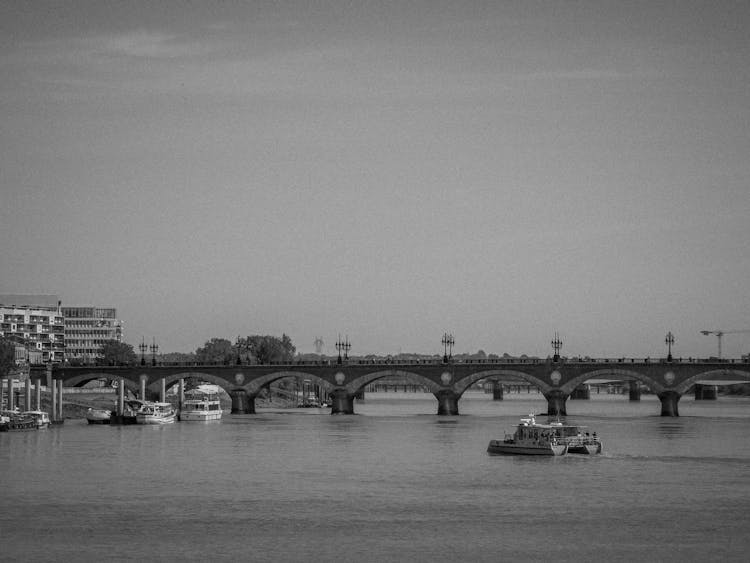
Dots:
{"x": 7, "y": 356}
{"x": 115, "y": 352}
{"x": 266, "y": 349}
{"x": 216, "y": 350}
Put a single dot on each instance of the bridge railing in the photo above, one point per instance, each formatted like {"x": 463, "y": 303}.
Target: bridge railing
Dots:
{"x": 389, "y": 362}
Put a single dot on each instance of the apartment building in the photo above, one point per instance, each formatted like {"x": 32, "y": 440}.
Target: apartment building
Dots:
{"x": 87, "y": 329}
{"x": 37, "y": 326}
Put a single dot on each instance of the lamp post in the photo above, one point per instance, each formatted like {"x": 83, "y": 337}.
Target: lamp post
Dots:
{"x": 556, "y": 345}
{"x": 339, "y": 347}
{"x": 154, "y": 349}
{"x": 237, "y": 344}
{"x": 143, "y": 347}
{"x": 347, "y": 347}
{"x": 448, "y": 343}
{"x": 669, "y": 340}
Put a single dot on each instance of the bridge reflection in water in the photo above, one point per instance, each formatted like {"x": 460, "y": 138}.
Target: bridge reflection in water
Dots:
{"x": 447, "y": 381}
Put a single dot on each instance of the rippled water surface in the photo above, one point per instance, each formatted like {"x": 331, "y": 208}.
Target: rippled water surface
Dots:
{"x": 394, "y": 482}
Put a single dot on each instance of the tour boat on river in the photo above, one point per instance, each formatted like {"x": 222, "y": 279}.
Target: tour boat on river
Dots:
{"x": 200, "y": 406}
{"x": 155, "y": 413}
{"x": 530, "y": 438}
{"x": 14, "y": 421}
{"x": 578, "y": 439}
{"x": 41, "y": 418}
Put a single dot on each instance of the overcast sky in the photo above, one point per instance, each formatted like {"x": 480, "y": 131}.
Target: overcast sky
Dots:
{"x": 389, "y": 171}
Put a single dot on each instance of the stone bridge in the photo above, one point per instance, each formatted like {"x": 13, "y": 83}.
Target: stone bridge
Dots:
{"x": 447, "y": 381}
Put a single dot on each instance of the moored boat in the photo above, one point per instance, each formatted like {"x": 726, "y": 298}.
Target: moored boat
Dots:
{"x": 199, "y": 406}
{"x": 155, "y": 413}
{"x": 530, "y": 438}
{"x": 41, "y": 418}
{"x": 98, "y": 416}
{"x": 14, "y": 421}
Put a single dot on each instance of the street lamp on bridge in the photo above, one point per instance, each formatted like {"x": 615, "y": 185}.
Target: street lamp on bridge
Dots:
{"x": 154, "y": 349}
{"x": 669, "y": 340}
{"x": 143, "y": 347}
{"x": 556, "y": 345}
{"x": 448, "y": 343}
{"x": 345, "y": 346}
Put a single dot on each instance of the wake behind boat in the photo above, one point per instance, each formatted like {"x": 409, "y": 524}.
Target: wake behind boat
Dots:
{"x": 530, "y": 438}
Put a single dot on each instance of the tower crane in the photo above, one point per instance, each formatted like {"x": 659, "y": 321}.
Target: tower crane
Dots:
{"x": 720, "y": 333}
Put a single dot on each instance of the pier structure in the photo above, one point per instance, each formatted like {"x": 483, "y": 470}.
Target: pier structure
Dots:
{"x": 557, "y": 379}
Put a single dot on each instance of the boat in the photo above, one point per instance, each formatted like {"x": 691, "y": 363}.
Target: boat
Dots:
{"x": 14, "y": 421}
{"x": 200, "y": 406}
{"x": 578, "y": 439}
{"x": 155, "y": 413}
{"x": 40, "y": 417}
{"x": 98, "y": 416}
{"x": 530, "y": 438}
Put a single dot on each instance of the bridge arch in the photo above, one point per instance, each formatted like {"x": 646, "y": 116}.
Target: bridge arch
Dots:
{"x": 173, "y": 379}
{"x": 83, "y": 379}
{"x": 360, "y": 382}
{"x": 254, "y": 387}
{"x": 464, "y": 383}
{"x": 713, "y": 375}
{"x": 626, "y": 374}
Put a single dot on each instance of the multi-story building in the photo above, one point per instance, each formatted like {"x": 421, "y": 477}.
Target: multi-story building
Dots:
{"x": 87, "y": 329}
{"x": 36, "y": 324}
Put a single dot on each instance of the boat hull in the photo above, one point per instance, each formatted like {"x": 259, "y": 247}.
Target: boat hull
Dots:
{"x": 154, "y": 419}
{"x": 499, "y": 447}
{"x": 18, "y": 425}
{"x": 585, "y": 449}
{"x": 199, "y": 416}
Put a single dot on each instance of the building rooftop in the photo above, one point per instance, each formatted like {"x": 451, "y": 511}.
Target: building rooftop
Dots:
{"x": 21, "y": 300}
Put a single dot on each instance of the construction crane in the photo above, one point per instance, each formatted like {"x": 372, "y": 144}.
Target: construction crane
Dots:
{"x": 720, "y": 333}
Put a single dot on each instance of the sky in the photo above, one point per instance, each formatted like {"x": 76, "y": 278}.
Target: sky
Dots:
{"x": 386, "y": 171}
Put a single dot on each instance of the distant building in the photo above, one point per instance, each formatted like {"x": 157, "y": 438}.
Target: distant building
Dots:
{"x": 36, "y": 324}
{"x": 87, "y": 329}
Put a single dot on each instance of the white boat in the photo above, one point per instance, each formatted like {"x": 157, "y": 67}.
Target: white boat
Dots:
{"x": 579, "y": 440}
{"x": 40, "y": 417}
{"x": 98, "y": 416}
{"x": 201, "y": 407}
{"x": 155, "y": 413}
{"x": 530, "y": 438}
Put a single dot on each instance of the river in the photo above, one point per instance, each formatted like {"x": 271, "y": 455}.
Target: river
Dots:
{"x": 394, "y": 482}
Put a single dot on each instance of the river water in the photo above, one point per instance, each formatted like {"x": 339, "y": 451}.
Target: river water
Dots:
{"x": 394, "y": 482}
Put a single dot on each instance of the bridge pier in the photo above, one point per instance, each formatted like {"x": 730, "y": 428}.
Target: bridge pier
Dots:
{"x": 669, "y": 400}
{"x": 447, "y": 402}
{"x": 634, "y": 388}
{"x": 242, "y": 403}
{"x": 497, "y": 391}
{"x": 342, "y": 402}
{"x": 556, "y": 403}
{"x": 705, "y": 392}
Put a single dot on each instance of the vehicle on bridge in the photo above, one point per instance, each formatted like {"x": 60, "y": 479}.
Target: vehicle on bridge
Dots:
{"x": 530, "y": 438}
